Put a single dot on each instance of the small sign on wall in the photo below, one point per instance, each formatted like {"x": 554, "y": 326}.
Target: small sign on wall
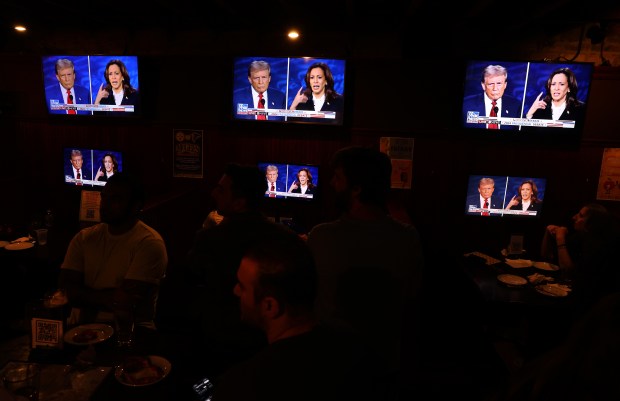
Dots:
{"x": 609, "y": 179}
{"x": 187, "y": 153}
{"x": 90, "y": 202}
{"x": 400, "y": 151}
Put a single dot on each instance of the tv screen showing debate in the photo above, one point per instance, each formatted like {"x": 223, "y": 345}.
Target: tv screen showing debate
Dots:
{"x": 81, "y": 85}
{"x": 85, "y": 167}
{"x": 500, "y": 195}
{"x": 523, "y": 96}
{"x": 289, "y": 89}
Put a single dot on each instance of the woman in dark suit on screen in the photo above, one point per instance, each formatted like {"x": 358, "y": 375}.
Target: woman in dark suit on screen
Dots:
{"x": 303, "y": 184}
{"x": 117, "y": 89}
{"x": 560, "y": 101}
{"x": 527, "y": 200}
{"x": 108, "y": 167}
{"x": 319, "y": 94}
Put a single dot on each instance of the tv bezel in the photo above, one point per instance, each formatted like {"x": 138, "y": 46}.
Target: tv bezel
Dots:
{"x": 512, "y": 183}
{"x": 285, "y": 195}
{"x": 91, "y": 184}
{"x": 531, "y": 76}
{"x": 91, "y": 80}
{"x": 289, "y": 86}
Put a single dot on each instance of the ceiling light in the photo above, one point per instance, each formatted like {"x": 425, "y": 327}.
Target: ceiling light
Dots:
{"x": 20, "y": 28}
{"x": 293, "y": 34}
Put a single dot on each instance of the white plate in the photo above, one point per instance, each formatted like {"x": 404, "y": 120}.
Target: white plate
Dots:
{"x": 518, "y": 263}
{"x": 18, "y": 246}
{"x": 552, "y": 290}
{"x": 103, "y": 332}
{"x": 511, "y": 279}
{"x": 159, "y": 362}
{"x": 3, "y": 244}
{"x": 546, "y": 266}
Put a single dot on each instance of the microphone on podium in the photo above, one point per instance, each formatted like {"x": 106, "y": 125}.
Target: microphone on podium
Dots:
{"x": 262, "y": 102}
{"x": 495, "y": 109}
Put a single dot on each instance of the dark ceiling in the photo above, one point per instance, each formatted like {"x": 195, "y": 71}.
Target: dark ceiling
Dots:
{"x": 420, "y": 21}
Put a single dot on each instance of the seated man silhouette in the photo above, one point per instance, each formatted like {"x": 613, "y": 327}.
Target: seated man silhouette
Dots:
{"x": 276, "y": 286}
{"x": 118, "y": 261}
{"x": 213, "y": 260}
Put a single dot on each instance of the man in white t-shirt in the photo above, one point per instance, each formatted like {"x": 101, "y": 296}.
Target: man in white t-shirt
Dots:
{"x": 120, "y": 261}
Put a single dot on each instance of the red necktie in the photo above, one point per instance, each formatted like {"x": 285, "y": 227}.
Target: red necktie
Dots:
{"x": 493, "y": 114}
{"x": 70, "y": 101}
{"x": 79, "y": 177}
{"x": 261, "y": 105}
{"x": 485, "y": 206}
{"x": 273, "y": 190}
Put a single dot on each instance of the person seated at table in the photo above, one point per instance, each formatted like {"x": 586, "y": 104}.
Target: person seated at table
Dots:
{"x": 276, "y": 288}
{"x": 212, "y": 261}
{"x": 586, "y": 253}
{"x": 584, "y": 366}
{"x": 118, "y": 262}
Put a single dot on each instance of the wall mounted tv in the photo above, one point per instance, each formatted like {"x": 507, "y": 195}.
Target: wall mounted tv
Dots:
{"x": 289, "y": 89}
{"x": 538, "y": 98}
{"x": 90, "y": 167}
{"x": 87, "y": 85}
{"x": 290, "y": 181}
{"x": 496, "y": 196}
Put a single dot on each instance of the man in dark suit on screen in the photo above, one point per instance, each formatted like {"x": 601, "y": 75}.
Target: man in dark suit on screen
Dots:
{"x": 493, "y": 102}
{"x": 484, "y": 198}
{"x": 258, "y": 95}
{"x": 66, "y": 91}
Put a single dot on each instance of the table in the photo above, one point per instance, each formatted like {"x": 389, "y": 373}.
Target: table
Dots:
{"x": 63, "y": 378}
{"x": 533, "y": 321}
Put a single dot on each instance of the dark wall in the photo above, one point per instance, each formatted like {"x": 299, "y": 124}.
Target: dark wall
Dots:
{"x": 386, "y": 96}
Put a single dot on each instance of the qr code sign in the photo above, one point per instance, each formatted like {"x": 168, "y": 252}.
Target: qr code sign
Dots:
{"x": 46, "y": 332}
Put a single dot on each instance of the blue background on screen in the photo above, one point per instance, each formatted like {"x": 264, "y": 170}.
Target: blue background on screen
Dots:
{"x": 82, "y": 77}
{"x": 97, "y": 70}
{"x": 98, "y": 157}
{"x": 539, "y": 73}
{"x": 516, "y": 77}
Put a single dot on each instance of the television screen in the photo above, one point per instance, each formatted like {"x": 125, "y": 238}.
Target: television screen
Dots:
{"x": 534, "y": 97}
{"x": 90, "y": 167}
{"x": 294, "y": 181}
{"x": 289, "y": 89}
{"x": 91, "y": 85}
{"x": 489, "y": 195}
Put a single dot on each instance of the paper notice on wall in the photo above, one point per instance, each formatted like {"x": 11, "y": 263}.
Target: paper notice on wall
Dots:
{"x": 187, "y": 153}
{"x": 400, "y": 151}
{"x": 89, "y": 206}
{"x": 609, "y": 179}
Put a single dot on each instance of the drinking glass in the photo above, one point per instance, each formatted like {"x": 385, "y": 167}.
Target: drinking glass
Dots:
{"x": 22, "y": 380}
{"x": 124, "y": 325}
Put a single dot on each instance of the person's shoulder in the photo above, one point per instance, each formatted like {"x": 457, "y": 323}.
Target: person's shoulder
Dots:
{"x": 151, "y": 232}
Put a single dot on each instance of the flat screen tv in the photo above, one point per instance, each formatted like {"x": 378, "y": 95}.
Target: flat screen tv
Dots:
{"x": 290, "y": 181}
{"x": 289, "y": 89}
{"x": 524, "y": 97}
{"x": 90, "y": 168}
{"x": 497, "y": 196}
{"x": 91, "y": 85}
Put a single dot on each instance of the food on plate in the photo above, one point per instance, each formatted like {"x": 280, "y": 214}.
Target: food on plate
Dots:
{"x": 86, "y": 335}
{"x": 546, "y": 266}
{"x": 556, "y": 290}
{"x": 511, "y": 279}
{"x": 138, "y": 370}
{"x": 538, "y": 278}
